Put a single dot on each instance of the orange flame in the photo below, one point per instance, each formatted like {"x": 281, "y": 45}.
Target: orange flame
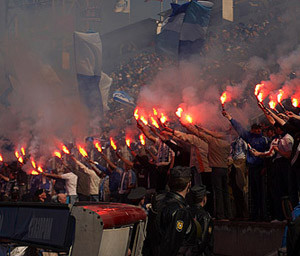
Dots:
{"x": 179, "y": 112}
{"x": 272, "y": 104}
{"x": 65, "y": 149}
{"x": 17, "y": 154}
{"x": 23, "y": 151}
{"x": 163, "y": 118}
{"x": 97, "y": 146}
{"x": 154, "y": 111}
{"x": 128, "y": 142}
{"x": 189, "y": 119}
{"x": 144, "y": 120}
{"x": 33, "y": 172}
{"x": 295, "y": 102}
{"x": 260, "y": 97}
{"x": 154, "y": 123}
{"x": 33, "y": 164}
{"x": 223, "y": 97}
{"x": 112, "y": 143}
{"x": 40, "y": 169}
{"x": 20, "y": 159}
{"x": 257, "y": 88}
{"x": 142, "y": 139}
{"x": 57, "y": 154}
{"x": 280, "y": 95}
{"x": 1, "y": 158}
{"x": 136, "y": 116}
{"x": 82, "y": 151}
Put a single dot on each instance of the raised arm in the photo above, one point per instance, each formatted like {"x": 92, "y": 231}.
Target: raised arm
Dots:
{"x": 146, "y": 131}
{"x": 4, "y": 177}
{"x": 110, "y": 163}
{"x": 277, "y": 118}
{"x": 202, "y": 135}
{"x": 126, "y": 161}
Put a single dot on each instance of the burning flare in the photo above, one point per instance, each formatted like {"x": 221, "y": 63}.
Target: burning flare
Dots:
{"x": 128, "y": 142}
{"x": 223, "y": 98}
{"x": 33, "y": 164}
{"x": 20, "y": 159}
{"x": 272, "y": 104}
{"x": 65, "y": 149}
{"x": 40, "y": 169}
{"x": 163, "y": 118}
{"x": 189, "y": 118}
{"x": 179, "y": 112}
{"x": 142, "y": 139}
{"x": 33, "y": 172}
{"x": 260, "y": 97}
{"x": 82, "y": 151}
{"x": 136, "y": 116}
{"x": 257, "y": 89}
{"x": 17, "y": 154}
{"x": 280, "y": 95}
{"x": 23, "y": 151}
{"x": 154, "y": 123}
{"x": 57, "y": 154}
{"x": 154, "y": 111}
{"x": 144, "y": 120}
{"x": 1, "y": 158}
{"x": 295, "y": 102}
{"x": 97, "y": 146}
{"x": 112, "y": 143}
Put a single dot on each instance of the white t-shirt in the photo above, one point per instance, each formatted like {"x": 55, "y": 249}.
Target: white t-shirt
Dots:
{"x": 71, "y": 183}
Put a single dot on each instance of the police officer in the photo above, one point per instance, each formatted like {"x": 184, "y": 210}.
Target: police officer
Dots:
{"x": 171, "y": 230}
{"x": 204, "y": 245}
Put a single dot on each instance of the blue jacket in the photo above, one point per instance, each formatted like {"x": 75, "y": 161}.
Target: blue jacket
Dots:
{"x": 256, "y": 141}
{"x": 114, "y": 178}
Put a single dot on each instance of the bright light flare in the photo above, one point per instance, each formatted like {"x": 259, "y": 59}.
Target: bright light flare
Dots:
{"x": 82, "y": 151}
{"x": 179, "y": 112}
{"x": 112, "y": 143}
{"x": 279, "y": 95}
{"x": 20, "y": 159}
{"x": 136, "y": 115}
{"x": 260, "y": 97}
{"x": 154, "y": 123}
{"x": 1, "y": 158}
{"x": 97, "y": 146}
{"x": 223, "y": 98}
{"x": 17, "y": 154}
{"x": 33, "y": 164}
{"x": 128, "y": 142}
{"x": 57, "y": 154}
{"x": 155, "y": 112}
{"x": 40, "y": 169}
{"x": 34, "y": 172}
{"x": 142, "y": 139}
{"x": 65, "y": 149}
{"x": 295, "y": 102}
{"x": 23, "y": 151}
{"x": 272, "y": 104}
{"x": 189, "y": 118}
{"x": 163, "y": 118}
{"x": 257, "y": 88}
{"x": 143, "y": 119}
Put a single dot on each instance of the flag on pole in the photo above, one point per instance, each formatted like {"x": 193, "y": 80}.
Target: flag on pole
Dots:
{"x": 183, "y": 32}
{"x": 122, "y": 6}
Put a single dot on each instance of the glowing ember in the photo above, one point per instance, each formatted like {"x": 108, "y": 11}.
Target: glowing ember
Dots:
{"x": 128, "y": 142}
{"x": 23, "y": 151}
{"x": 20, "y": 159}
{"x": 257, "y": 88}
{"x": 97, "y": 146}
{"x": 82, "y": 151}
{"x": 189, "y": 119}
{"x": 17, "y": 154}
{"x": 260, "y": 97}
{"x": 279, "y": 95}
{"x": 33, "y": 164}
{"x": 163, "y": 118}
{"x": 154, "y": 123}
{"x": 295, "y": 102}
{"x": 65, "y": 149}
{"x": 136, "y": 116}
{"x": 33, "y": 172}
{"x": 144, "y": 120}
{"x": 1, "y": 158}
{"x": 142, "y": 139}
{"x": 179, "y": 112}
{"x": 272, "y": 104}
{"x": 154, "y": 111}
{"x": 57, "y": 154}
{"x": 40, "y": 169}
{"x": 223, "y": 97}
{"x": 112, "y": 143}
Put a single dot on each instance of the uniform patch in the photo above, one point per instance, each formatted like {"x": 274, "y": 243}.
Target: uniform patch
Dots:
{"x": 209, "y": 230}
{"x": 179, "y": 225}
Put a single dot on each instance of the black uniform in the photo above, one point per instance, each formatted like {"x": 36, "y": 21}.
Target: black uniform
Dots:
{"x": 205, "y": 242}
{"x": 171, "y": 230}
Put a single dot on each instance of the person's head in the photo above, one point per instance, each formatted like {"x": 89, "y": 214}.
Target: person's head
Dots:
{"x": 137, "y": 196}
{"x": 278, "y": 129}
{"x": 255, "y": 129}
{"x": 199, "y": 194}
{"x": 270, "y": 132}
{"x": 180, "y": 179}
{"x": 62, "y": 198}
